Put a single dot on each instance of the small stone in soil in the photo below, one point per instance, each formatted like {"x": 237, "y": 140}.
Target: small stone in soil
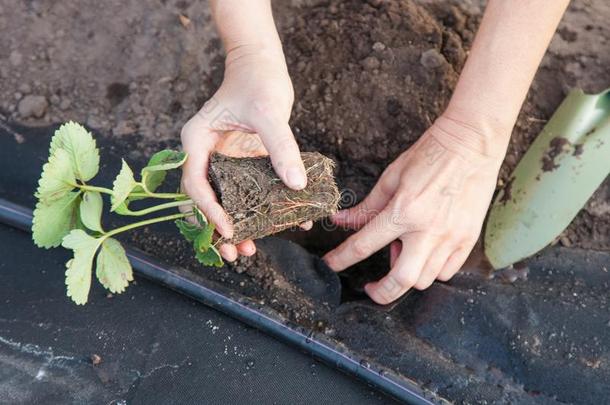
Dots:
{"x": 371, "y": 63}
{"x": 432, "y": 59}
{"x": 33, "y": 106}
{"x": 15, "y": 58}
{"x": 64, "y": 104}
{"x": 378, "y": 46}
{"x": 96, "y": 359}
{"x": 25, "y": 88}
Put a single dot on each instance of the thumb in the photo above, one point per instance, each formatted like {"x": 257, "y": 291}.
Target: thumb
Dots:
{"x": 284, "y": 153}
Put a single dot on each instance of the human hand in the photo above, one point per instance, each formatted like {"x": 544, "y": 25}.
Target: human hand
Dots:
{"x": 429, "y": 205}
{"x": 255, "y": 97}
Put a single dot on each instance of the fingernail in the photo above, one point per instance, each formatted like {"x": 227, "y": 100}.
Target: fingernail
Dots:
{"x": 295, "y": 178}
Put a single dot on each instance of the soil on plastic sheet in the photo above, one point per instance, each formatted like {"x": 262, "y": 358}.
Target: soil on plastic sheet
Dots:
{"x": 255, "y": 277}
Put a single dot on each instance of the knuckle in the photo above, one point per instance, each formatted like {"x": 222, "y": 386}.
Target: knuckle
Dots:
{"x": 186, "y": 129}
{"x": 422, "y": 284}
{"x": 186, "y": 182}
{"x": 361, "y": 248}
{"x": 405, "y": 279}
{"x": 401, "y": 213}
{"x": 265, "y": 105}
{"x": 385, "y": 187}
{"x": 404, "y": 202}
{"x": 467, "y": 241}
{"x": 286, "y": 146}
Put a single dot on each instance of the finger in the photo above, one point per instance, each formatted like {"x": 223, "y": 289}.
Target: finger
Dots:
{"x": 435, "y": 263}
{"x": 228, "y": 252}
{"x": 454, "y": 263}
{"x": 395, "y": 248}
{"x": 195, "y": 178}
{"x": 284, "y": 152}
{"x": 246, "y": 248}
{"x": 306, "y": 226}
{"x": 372, "y": 237}
{"x": 406, "y": 270}
{"x": 373, "y": 204}
{"x": 202, "y": 194}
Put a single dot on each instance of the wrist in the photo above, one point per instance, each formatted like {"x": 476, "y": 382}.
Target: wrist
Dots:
{"x": 482, "y": 133}
{"x": 255, "y": 52}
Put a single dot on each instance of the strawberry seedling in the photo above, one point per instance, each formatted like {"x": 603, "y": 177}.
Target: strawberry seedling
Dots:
{"x": 69, "y": 211}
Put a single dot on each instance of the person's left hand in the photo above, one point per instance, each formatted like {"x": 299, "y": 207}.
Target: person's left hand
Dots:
{"x": 429, "y": 205}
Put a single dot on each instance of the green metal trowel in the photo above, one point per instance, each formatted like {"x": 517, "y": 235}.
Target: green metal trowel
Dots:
{"x": 563, "y": 167}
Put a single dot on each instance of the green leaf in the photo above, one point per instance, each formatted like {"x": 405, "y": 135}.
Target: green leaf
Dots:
{"x": 122, "y": 186}
{"x": 80, "y": 146}
{"x": 154, "y": 173}
{"x": 91, "y": 210}
{"x": 113, "y": 268}
{"x": 204, "y": 239}
{"x": 188, "y": 230}
{"x": 78, "y": 273}
{"x": 54, "y": 220}
{"x": 211, "y": 257}
{"x": 57, "y": 178}
{"x": 165, "y": 160}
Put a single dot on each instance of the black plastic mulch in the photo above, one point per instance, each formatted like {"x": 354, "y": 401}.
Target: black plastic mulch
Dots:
{"x": 543, "y": 340}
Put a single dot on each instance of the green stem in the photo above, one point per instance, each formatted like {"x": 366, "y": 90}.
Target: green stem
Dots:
{"x": 102, "y": 190}
{"x": 159, "y": 207}
{"x": 144, "y": 223}
{"x": 148, "y": 193}
{"x": 173, "y": 196}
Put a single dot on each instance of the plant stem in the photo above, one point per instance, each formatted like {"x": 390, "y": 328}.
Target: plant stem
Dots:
{"x": 159, "y": 207}
{"x": 145, "y": 222}
{"x": 174, "y": 196}
{"x": 102, "y": 190}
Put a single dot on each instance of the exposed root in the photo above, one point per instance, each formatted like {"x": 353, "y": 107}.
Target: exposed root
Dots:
{"x": 260, "y": 204}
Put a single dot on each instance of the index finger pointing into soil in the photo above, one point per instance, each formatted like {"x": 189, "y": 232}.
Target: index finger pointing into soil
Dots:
{"x": 372, "y": 237}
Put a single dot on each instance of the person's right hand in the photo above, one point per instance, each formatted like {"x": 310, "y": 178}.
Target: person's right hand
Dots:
{"x": 255, "y": 97}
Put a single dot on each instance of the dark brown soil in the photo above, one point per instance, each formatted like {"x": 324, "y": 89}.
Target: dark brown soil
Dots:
{"x": 362, "y": 93}
{"x": 259, "y": 204}
{"x": 366, "y": 88}
{"x": 556, "y": 147}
